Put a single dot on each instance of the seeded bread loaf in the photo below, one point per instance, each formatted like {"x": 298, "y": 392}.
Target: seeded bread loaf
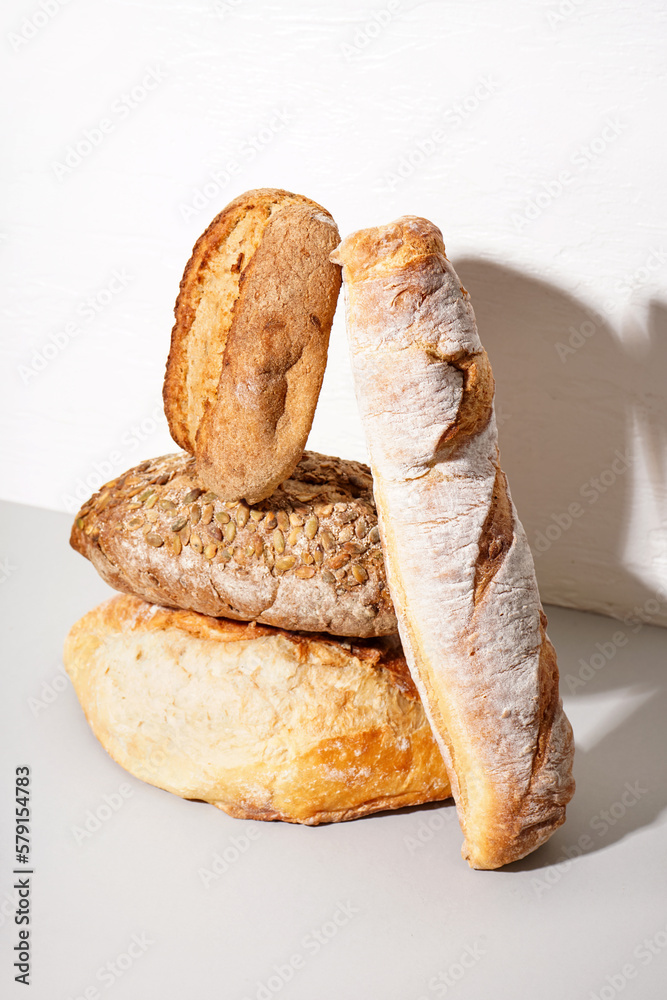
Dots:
{"x": 264, "y": 724}
{"x": 307, "y": 558}
{"x": 458, "y": 562}
{"x": 249, "y": 345}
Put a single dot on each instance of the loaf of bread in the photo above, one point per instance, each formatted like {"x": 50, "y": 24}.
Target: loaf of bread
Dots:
{"x": 263, "y": 723}
{"x": 249, "y": 346}
{"x": 458, "y": 563}
{"x": 307, "y": 558}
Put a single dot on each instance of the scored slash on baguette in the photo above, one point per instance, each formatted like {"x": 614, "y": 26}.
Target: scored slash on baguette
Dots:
{"x": 458, "y": 562}
{"x": 265, "y": 724}
{"x": 250, "y": 340}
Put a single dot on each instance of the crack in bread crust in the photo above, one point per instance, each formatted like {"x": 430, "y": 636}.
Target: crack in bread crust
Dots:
{"x": 496, "y": 537}
{"x": 476, "y": 406}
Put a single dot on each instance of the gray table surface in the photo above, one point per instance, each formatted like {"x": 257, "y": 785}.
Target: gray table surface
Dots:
{"x": 175, "y": 899}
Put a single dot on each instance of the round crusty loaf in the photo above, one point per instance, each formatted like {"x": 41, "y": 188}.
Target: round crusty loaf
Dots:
{"x": 249, "y": 345}
{"x": 307, "y": 558}
{"x": 264, "y": 724}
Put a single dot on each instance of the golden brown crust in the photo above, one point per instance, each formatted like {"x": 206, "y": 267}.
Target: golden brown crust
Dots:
{"x": 366, "y": 257}
{"x": 205, "y": 250}
{"x": 261, "y": 722}
{"x": 249, "y": 345}
{"x": 308, "y": 558}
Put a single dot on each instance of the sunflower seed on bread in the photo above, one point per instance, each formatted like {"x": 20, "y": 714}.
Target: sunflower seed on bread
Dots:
{"x": 306, "y": 558}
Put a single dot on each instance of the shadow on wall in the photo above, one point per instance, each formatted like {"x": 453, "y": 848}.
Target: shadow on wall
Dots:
{"x": 582, "y": 421}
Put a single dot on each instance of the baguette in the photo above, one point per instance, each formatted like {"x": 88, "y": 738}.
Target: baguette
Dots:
{"x": 264, "y": 724}
{"x": 307, "y": 558}
{"x": 249, "y": 345}
{"x": 472, "y": 626}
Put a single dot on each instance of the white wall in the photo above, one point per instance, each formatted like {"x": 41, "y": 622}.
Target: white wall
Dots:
{"x": 531, "y": 132}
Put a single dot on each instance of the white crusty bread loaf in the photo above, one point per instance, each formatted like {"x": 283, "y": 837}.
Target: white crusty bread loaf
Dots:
{"x": 458, "y": 563}
{"x": 308, "y": 557}
{"x": 264, "y": 724}
{"x": 249, "y": 345}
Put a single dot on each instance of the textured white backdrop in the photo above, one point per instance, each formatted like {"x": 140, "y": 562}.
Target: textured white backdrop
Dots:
{"x": 531, "y": 132}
